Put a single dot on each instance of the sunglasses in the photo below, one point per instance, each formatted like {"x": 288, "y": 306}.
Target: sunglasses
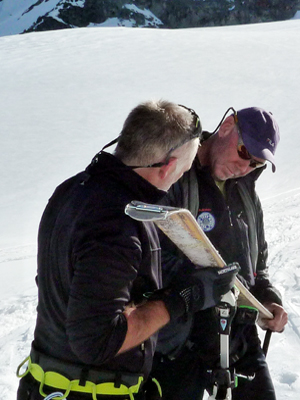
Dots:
{"x": 245, "y": 155}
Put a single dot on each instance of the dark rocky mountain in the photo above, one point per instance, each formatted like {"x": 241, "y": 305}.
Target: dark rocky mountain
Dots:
{"x": 171, "y": 14}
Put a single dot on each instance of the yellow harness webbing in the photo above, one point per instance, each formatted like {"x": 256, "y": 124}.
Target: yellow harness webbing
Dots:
{"x": 58, "y": 381}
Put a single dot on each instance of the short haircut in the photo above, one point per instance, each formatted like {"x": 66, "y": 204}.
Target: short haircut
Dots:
{"x": 151, "y": 130}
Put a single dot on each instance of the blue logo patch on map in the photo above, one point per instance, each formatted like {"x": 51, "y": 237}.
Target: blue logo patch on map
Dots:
{"x": 207, "y": 221}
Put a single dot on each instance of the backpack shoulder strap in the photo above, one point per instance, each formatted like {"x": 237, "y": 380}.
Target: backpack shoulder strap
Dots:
{"x": 185, "y": 192}
{"x": 251, "y": 217}
{"x": 192, "y": 192}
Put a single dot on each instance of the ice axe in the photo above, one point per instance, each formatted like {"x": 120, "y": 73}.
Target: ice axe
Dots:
{"x": 267, "y": 341}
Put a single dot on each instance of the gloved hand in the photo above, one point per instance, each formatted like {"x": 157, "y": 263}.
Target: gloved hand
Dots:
{"x": 196, "y": 289}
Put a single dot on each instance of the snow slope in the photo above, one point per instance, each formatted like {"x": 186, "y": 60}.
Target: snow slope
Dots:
{"x": 64, "y": 94}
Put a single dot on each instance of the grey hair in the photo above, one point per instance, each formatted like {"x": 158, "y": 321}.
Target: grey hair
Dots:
{"x": 151, "y": 130}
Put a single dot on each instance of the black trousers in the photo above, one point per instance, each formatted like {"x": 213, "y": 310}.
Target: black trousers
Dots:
{"x": 186, "y": 378}
{"x": 29, "y": 390}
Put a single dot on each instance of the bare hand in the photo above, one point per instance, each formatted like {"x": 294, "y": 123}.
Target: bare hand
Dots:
{"x": 279, "y": 321}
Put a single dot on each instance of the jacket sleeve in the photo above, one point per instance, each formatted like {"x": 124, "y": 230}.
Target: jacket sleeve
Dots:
{"x": 263, "y": 289}
{"x": 106, "y": 258}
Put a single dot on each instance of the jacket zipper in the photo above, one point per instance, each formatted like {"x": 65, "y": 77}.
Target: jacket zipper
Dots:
{"x": 229, "y": 214}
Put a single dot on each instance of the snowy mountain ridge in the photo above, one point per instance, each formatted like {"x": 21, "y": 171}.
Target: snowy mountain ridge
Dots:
{"x": 40, "y": 15}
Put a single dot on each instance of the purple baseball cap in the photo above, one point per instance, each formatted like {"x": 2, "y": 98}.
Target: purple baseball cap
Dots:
{"x": 260, "y": 133}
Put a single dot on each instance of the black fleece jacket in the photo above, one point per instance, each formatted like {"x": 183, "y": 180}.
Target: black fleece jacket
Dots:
{"x": 93, "y": 260}
{"x": 226, "y": 221}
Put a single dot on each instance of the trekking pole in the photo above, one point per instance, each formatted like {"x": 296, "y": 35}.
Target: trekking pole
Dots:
{"x": 221, "y": 377}
{"x": 267, "y": 342}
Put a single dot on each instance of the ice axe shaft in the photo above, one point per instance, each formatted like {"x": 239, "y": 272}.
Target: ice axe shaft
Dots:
{"x": 267, "y": 341}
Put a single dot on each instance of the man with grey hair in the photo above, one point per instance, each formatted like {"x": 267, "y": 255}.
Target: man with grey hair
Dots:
{"x": 95, "y": 333}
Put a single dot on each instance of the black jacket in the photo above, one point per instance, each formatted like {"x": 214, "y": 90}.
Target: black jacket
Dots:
{"x": 234, "y": 224}
{"x": 93, "y": 260}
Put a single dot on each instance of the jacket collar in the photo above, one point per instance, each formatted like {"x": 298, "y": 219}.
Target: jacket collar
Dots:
{"x": 108, "y": 165}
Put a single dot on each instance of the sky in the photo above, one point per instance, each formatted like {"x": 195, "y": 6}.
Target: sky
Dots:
{"x": 66, "y": 93}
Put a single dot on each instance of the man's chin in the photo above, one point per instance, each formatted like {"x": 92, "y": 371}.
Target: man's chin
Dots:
{"x": 221, "y": 177}
{"x": 222, "y": 173}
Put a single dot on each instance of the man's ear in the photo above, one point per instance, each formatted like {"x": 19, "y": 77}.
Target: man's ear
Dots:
{"x": 167, "y": 169}
{"x": 226, "y": 126}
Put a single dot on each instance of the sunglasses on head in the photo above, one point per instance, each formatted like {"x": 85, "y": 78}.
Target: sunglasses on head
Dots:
{"x": 196, "y": 133}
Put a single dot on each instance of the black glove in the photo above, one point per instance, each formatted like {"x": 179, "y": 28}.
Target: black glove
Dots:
{"x": 196, "y": 289}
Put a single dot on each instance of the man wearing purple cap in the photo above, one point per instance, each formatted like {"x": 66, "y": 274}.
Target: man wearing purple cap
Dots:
{"x": 219, "y": 190}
